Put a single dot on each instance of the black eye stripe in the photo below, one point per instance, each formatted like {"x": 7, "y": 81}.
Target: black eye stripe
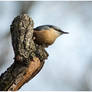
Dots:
{"x": 46, "y": 27}
{"x": 56, "y": 28}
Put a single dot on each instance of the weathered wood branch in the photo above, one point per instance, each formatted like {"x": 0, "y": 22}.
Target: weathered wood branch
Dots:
{"x": 29, "y": 56}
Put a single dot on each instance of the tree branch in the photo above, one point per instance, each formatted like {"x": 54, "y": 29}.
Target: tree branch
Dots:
{"x": 29, "y": 56}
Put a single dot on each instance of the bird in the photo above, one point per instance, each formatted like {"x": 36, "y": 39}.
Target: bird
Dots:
{"x": 46, "y": 35}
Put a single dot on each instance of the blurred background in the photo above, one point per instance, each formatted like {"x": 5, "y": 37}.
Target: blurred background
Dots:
{"x": 69, "y": 65}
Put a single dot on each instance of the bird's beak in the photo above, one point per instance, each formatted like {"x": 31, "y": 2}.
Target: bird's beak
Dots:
{"x": 65, "y": 32}
{"x": 62, "y": 32}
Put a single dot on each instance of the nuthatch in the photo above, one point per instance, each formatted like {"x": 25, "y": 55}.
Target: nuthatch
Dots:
{"x": 46, "y": 35}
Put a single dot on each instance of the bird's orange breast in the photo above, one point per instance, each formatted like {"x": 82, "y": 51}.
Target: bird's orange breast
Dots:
{"x": 45, "y": 37}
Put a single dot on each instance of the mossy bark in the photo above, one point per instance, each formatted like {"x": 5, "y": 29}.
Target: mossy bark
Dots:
{"x": 29, "y": 56}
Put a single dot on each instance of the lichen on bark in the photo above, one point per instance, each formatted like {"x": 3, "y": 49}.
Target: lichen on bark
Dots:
{"x": 25, "y": 67}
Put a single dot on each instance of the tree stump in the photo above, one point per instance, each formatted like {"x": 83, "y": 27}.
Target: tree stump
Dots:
{"x": 29, "y": 57}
